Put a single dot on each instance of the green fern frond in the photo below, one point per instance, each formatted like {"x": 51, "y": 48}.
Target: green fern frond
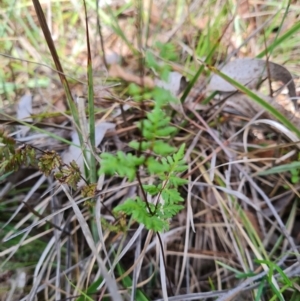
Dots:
{"x": 138, "y": 209}
{"x": 152, "y": 189}
{"x": 162, "y": 148}
{"x": 125, "y": 165}
{"x": 171, "y": 196}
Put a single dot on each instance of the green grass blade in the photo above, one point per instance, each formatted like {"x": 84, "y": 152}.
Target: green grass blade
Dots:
{"x": 91, "y": 290}
{"x": 201, "y": 68}
{"x": 264, "y": 104}
{"x": 91, "y": 107}
{"x": 260, "y": 290}
{"x": 280, "y": 169}
{"x": 38, "y": 129}
{"x": 127, "y": 282}
{"x": 284, "y": 38}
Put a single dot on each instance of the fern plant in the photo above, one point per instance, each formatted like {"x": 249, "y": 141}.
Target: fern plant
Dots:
{"x": 154, "y": 215}
{"x": 162, "y": 200}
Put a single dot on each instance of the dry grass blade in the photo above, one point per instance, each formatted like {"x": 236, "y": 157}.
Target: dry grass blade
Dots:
{"x": 89, "y": 238}
{"x": 130, "y": 194}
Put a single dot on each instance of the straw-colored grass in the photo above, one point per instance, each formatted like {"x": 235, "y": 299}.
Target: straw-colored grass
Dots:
{"x": 237, "y": 237}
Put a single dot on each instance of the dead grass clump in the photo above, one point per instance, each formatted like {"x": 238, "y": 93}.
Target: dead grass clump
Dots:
{"x": 237, "y": 236}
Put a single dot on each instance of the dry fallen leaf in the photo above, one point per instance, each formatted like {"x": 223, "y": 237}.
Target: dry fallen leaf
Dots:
{"x": 75, "y": 153}
{"x": 245, "y": 106}
{"x": 173, "y": 84}
{"x": 251, "y": 72}
{"x": 24, "y": 111}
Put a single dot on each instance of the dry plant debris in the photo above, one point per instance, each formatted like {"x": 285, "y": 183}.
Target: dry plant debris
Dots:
{"x": 237, "y": 237}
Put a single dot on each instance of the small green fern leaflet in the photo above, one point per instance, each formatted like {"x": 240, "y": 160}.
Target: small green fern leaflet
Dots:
{"x": 137, "y": 208}
{"x": 154, "y": 129}
{"x": 125, "y": 165}
{"x": 166, "y": 194}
